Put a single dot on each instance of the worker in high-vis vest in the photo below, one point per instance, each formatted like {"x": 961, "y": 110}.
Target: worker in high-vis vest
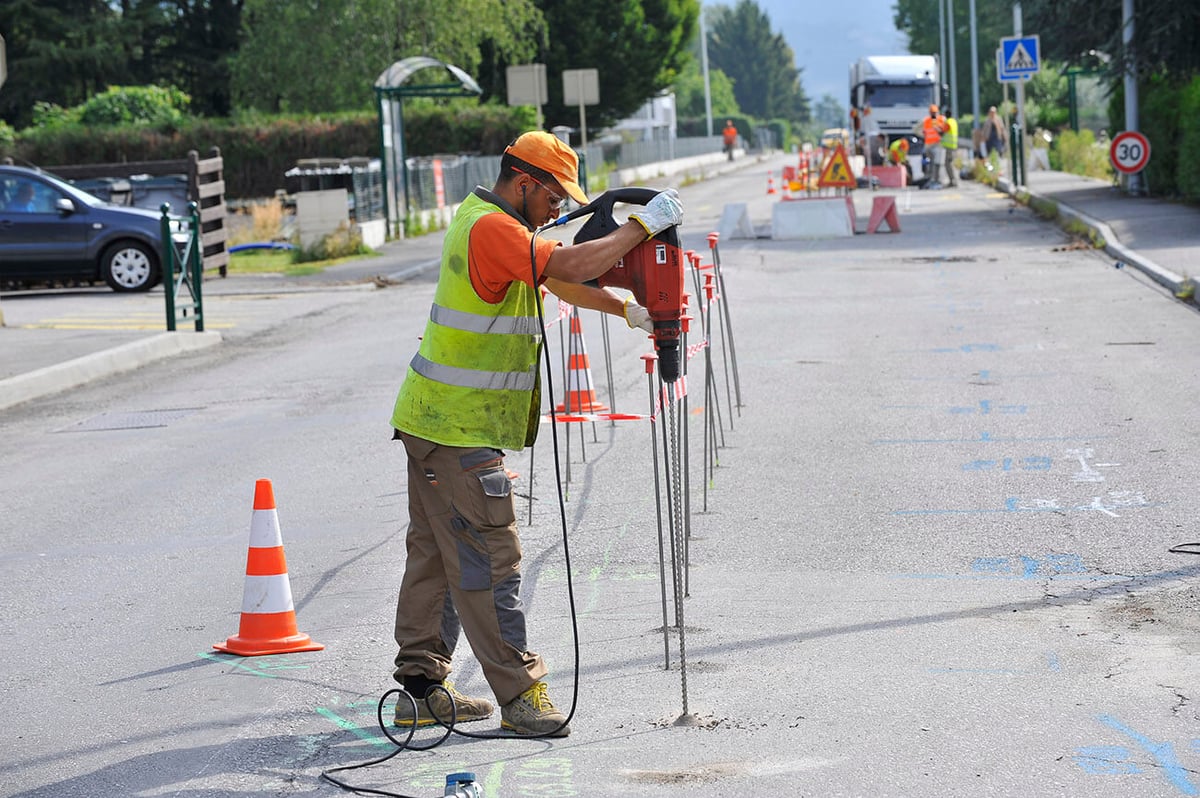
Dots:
{"x": 470, "y": 392}
{"x": 931, "y": 129}
{"x": 950, "y": 145}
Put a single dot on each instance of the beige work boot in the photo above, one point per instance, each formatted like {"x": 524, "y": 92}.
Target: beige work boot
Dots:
{"x": 532, "y": 713}
{"x": 436, "y": 708}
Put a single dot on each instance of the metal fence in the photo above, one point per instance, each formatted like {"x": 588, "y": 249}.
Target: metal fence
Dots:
{"x": 461, "y": 173}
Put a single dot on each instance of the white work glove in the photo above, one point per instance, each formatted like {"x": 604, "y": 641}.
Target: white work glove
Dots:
{"x": 664, "y": 211}
{"x": 637, "y": 316}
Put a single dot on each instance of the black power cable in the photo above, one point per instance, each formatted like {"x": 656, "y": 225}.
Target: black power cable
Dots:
{"x": 449, "y": 727}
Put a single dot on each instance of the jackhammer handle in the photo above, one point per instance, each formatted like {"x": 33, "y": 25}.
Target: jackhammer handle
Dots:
{"x": 632, "y": 195}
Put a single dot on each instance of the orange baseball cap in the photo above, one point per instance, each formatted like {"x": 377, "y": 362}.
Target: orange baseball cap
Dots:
{"x": 547, "y": 152}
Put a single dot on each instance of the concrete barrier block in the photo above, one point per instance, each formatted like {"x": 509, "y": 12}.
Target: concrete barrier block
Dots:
{"x": 812, "y": 217}
{"x": 735, "y": 222}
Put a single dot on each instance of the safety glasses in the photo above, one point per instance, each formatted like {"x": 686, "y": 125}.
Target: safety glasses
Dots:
{"x": 556, "y": 202}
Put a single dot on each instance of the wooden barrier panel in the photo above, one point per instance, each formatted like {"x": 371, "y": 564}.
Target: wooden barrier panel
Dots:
{"x": 206, "y": 188}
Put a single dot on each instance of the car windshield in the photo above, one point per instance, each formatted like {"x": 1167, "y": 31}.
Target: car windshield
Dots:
{"x": 38, "y": 192}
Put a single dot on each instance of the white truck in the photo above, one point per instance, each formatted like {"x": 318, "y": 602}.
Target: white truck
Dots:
{"x": 897, "y": 90}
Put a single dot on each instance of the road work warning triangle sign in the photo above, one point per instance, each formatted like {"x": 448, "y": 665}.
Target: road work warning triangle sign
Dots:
{"x": 836, "y": 172}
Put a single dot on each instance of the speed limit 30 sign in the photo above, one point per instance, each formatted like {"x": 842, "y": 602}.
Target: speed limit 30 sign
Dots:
{"x": 1130, "y": 152}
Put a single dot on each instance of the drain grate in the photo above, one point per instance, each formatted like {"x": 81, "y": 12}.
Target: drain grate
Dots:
{"x": 138, "y": 419}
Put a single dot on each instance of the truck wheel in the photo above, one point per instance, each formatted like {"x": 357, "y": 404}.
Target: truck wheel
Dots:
{"x": 129, "y": 266}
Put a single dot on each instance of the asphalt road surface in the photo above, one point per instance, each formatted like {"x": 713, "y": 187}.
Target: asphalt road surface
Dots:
{"x": 932, "y": 560}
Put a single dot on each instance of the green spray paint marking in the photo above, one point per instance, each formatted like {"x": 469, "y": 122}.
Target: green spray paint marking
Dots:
{"x": 346, "y": 725}
{"x": 256, "y": 666}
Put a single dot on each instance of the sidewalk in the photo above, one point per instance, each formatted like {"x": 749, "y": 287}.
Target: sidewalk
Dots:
{"x": 1158, "y": 237}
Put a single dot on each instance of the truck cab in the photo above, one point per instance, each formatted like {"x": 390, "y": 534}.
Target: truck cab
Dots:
{"x": 891, "y": 94}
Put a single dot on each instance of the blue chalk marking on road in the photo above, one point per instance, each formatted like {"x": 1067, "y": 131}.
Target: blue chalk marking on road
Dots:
{"x": 985, "y": 408}
{"x": 1052, "y": 662}
{"x": 1106, "y": 760}
{"x": 1046, "y": 566}
{"x": 1127, "y": 500}
{"x": 968, "y": 348}
{"x": 1026, "y": 567}
{"x": 987, "y": 437}
{"x": 1037, "y": 463}
{"x": 1163, "y": 753}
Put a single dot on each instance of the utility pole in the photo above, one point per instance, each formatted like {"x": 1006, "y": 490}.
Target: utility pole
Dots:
{"x": 1021, "y": 81}
{"x": 704, "y": 68}
{"x": 950, "y": 30}
{"x": 941, "y": 51}
{"x": 974, "y": 75}
{"x": 1131, "y": 87}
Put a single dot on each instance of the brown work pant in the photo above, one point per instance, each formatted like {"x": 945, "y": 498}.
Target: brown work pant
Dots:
{"x": 464, "y": 565}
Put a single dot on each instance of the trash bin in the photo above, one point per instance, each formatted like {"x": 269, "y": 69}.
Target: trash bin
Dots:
{"x": 150, "y": 192}
{"x": 110, "y": 189}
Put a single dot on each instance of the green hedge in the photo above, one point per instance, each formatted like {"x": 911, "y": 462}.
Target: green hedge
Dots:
{"x": 1168, "y": 108}
{"x": 1188, "y": 171}
{"x": 257, "y": 152}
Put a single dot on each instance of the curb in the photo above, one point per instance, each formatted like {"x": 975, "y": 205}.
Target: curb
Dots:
{"x": 61, "y": 376}
{"x": 1165, "y": 277}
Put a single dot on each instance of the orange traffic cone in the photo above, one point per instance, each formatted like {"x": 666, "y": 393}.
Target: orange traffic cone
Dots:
{"x": 770, "y": 183}
{"x": 787, "y": 190}
{"x": 581, "y": 395}
{"x": 268, "y": 618}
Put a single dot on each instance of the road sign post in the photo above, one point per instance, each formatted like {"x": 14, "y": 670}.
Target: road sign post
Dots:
{"x": 1129, "y": 153}
{"x": 581, "y": 87}
{"x": 527, "y": 86}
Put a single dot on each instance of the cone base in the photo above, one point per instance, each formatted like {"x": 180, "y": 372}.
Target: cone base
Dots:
{"x": 246, "y": 647}
{"x": 581, "y": 402}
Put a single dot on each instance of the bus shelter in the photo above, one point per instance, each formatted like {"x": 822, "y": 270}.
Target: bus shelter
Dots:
{"x": 391, "y": 87}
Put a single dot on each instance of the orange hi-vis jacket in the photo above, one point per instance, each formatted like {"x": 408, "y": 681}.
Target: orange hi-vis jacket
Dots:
{"x": 933, "y": 131}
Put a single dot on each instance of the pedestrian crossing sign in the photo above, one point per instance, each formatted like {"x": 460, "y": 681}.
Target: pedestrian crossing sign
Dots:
{"x": 1019, "y": 57}
{"x": 836, "y": 172}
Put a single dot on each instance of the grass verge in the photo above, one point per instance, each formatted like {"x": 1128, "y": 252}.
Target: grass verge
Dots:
{"x": 280, "y": 262}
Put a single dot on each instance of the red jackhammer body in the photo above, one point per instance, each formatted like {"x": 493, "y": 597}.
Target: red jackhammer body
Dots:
{"x": 653, "y": 271}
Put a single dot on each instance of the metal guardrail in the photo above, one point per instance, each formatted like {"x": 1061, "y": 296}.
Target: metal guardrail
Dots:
{"x": 182, "y": 267}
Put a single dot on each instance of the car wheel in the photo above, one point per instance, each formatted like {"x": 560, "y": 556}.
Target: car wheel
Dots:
{"x": 129, "y": 266}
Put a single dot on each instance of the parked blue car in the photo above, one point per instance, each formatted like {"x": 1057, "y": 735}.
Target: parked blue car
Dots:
{"x": 52, "y": 232}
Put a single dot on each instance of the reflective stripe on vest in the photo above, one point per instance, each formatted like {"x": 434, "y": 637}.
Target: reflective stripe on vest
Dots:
{"x": 472, "y": 378}
{"x": 478, "y": 323}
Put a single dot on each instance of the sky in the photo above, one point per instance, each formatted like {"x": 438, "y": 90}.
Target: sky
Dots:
{"x": 826, "y": 36}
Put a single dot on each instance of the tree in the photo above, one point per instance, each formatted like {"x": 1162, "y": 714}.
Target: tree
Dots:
{"x": 829, "y": 112}
{"x": 1166, "y": 34}
{"x": 760, "y": 63}
{"x": 312, "y": 58}
{"x": 638, "y": 46}
{"x": 689, "y": 93}
{"x": 919, "y": 21}
{"x": 59, "y": 51}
